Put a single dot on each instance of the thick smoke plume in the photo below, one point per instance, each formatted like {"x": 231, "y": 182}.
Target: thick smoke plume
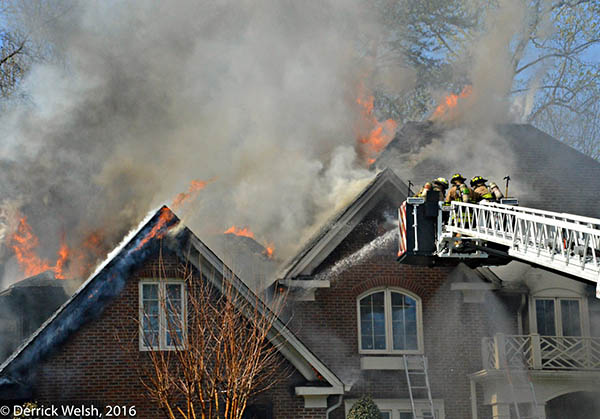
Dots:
{"x": 258, "y": 97}
{"x": 465, "y": 130}
{"x": 486, "y": 68}
{"x": 145, "y": 97}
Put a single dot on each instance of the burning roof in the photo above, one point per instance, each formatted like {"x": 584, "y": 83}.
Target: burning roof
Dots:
{"x": 109, "y": 279}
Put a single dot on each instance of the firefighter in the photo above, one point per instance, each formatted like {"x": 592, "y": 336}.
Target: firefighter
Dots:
{"x": 438, "y": 185}
{"x": 480, "y": 190}
{"x": 423, "y": 191}
{"x": 459, "y": 191}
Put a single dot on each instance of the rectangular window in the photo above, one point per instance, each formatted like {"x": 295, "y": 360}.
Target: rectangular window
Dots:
{"x": 151, "y": 315}
{"x": 373, "y": 321}
{"x": 544, "y": 311}
{"x": 162, "y": 314}
{"x": 404, "y": 321}
{"x": 174, "y": 314}
{"x": 569, "y": 314}
{"x": 558, "y": 316}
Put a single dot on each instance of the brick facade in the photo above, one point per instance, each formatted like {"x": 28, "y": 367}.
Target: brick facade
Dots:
{"x": 452, "y": 330}
{"x": 100, "y": 363}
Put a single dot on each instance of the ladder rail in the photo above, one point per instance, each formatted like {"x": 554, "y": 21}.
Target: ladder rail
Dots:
{"x": 564, "y": 242}
{"x": 425, "y": 367}
{"x": 410, "y": 395}
{"x": 422, "y": 360}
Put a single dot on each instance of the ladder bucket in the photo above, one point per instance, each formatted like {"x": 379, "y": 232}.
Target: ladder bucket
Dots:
{"x": 417, "y": 222}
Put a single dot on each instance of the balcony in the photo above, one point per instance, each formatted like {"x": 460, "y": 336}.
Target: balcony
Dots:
{"x": 540, "y": 352}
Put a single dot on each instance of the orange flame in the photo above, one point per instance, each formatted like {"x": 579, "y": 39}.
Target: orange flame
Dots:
{"x": 245, "y": 232}
{"x": 269, "y": 250}
{"x": 195, "y": 186}
{"x": 380, "y": 133}
{"x": 63, "y": 257}
{"x": 450, "y": 102}
{"x": 24, "y": 242}
{"x": 158, "y": 230}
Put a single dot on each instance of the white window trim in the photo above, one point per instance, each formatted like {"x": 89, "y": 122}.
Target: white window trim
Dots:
{"x": 388, "y": 322}
{"x": 395, "y": 406}
{"x": 583, "y": 313}
{"x": 162, "y": 322}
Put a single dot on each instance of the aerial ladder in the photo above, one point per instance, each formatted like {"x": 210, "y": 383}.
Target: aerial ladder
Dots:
{"x": 489, "y": 233}
{"x": 494, "y": 233}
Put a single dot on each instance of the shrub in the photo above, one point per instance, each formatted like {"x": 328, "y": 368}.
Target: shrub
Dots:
{"x": 364, "y": 408}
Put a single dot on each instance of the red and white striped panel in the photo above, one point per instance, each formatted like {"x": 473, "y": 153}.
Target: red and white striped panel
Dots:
{"x": 402, "y": 229}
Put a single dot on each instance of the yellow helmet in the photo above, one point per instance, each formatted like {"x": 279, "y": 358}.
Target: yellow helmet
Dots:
{"x": 477, "y": 180}
{"x": 442, "y": 182}
{"x": 457, "y": 177}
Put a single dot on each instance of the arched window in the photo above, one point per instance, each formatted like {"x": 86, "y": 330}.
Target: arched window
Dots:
{"x": 389, "y": 321}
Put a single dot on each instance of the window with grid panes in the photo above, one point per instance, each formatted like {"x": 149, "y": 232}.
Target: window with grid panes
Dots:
{"x": 162, "y": 314}
{"x": 558, "y": 316}
{"x": 389, "y": 321}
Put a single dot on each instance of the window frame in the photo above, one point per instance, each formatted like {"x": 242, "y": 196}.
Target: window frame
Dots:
{"x": 389, "y": 344}
{"x": 558, "y": 323}
{"x": 162, "y": 316}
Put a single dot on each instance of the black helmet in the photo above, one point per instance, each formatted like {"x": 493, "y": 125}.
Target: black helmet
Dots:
{"x": 457, "y": 177}
{"x": 477, "y": 180}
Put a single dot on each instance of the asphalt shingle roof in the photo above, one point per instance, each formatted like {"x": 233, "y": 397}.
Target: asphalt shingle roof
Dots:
{"x": 545, "y": 173}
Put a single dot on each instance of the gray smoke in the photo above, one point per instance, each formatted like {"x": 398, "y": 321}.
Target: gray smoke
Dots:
{"x": 145, "y": 97}
{"x": 486, "y": 64}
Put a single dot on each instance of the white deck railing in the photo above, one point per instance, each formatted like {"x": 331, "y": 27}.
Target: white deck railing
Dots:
{"x": 541, "y": 352}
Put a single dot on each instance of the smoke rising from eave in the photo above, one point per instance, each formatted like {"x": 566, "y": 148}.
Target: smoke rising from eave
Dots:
{"x": 149, "y": 96}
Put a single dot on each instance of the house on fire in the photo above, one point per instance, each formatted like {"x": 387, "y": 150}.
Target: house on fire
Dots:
{"x": 353, "y": 311}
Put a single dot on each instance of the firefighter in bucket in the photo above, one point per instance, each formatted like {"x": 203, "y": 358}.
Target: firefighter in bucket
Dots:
{"x": 483, "y": 192}
{"x": 459, "y": 190}
{"x": 437, "y": 186}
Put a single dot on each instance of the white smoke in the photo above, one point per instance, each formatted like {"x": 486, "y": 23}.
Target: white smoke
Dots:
{"x": 146, "y": 96}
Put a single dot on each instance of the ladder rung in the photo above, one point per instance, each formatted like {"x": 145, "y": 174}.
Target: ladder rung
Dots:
{"x": 418, "y": 370}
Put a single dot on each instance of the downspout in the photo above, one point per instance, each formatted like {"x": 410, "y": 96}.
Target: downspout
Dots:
{"x": 473, "y": 399}
{"x": 335, "y": 406}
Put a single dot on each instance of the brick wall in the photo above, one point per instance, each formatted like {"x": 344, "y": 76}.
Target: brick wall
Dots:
{"x": 452, "y": 330}
{"x": 101, "y": 364}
